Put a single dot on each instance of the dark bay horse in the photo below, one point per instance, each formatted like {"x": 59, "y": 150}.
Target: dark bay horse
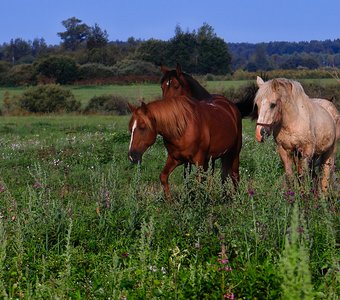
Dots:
{"x": 176, "y": 82}
{"x": 193, "y": 132}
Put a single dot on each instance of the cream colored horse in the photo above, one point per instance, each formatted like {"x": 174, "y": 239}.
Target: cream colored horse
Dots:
{"x": 307, "y": 127}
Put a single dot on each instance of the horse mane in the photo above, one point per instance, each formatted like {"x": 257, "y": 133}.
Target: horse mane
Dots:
{"x": 197, "y": 90}
{"x": 293, "y": 89}
{"x": 172, "y": 115}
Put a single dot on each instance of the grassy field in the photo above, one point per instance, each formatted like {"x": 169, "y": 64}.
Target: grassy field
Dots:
{"x": 132, "y": 92}
{"x": 78, "y": 221}
{"x": 135, "y": 92}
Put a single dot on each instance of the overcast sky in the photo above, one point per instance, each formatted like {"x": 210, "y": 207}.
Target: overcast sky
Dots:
{"x": 234, "y": 21}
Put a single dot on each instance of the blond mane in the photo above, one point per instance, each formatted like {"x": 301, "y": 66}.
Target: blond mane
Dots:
{"x": 292, "y": 89}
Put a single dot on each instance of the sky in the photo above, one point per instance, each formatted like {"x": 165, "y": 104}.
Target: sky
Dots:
{"x": 251, "y": 21}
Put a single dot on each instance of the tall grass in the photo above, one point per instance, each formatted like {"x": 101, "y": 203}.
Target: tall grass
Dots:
{"x": 78, "y": 221}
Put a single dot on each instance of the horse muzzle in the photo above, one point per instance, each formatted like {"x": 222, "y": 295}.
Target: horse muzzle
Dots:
{"x": 135, "y": 157}
{"x": 262, "y": 132}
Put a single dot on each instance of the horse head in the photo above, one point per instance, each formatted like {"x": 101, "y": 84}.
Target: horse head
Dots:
{"x": 143, "y": 133}
{"x": 269, "y": 105}
{"x": 174, "y": 83}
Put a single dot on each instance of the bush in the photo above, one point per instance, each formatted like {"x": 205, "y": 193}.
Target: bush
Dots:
{"x": 329, "y": 91}
{"x": 62, "y": 69}
{"x": 95, "y": 71}
{"x": 107, "y": 104}
{"x": 19, "y": 75}
{"x": 48, "y": 99}
{"x": 129, "y": 67}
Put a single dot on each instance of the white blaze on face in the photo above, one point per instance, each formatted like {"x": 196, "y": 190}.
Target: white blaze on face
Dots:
{"x": 263, "y": 111}
{"x": 134, "y": 126}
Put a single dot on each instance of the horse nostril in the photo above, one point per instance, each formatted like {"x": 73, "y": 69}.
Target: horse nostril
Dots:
{"x": 135, "y": 157}
{"x": 264, "y": 133}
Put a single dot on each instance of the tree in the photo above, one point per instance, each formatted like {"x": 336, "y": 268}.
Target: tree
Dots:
{"x": 201, "y": 53}
{"x": 212, "y": 52}
{"x": 154, "y": 51}
{"x": 97, "y": 38}
{"x": 183, "y": 49}
{"x": 39, "y": 47}
{"x": 76, "y": 33}
{"x": 17, "y": 49}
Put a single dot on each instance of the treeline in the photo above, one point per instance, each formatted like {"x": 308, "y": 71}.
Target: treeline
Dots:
{"x": 285, "y": 55}
{"x": 86, "y": 55}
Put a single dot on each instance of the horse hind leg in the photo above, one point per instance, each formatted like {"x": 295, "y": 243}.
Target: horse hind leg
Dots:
{"x": 231, "y": 166}
{"x": 327, "y": 170}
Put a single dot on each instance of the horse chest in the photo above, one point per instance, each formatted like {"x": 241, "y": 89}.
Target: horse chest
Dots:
{"x": 295, "y": 141}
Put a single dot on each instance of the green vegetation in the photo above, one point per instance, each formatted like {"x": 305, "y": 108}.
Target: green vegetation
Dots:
{"x": 148, "y": 91}
{"x": 78, "y": 221}
{"x": 133, "y": 92}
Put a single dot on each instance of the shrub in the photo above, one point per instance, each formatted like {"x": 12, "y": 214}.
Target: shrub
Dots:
{"x": 329, "y": 91}
{"x": 95, "y": 71}
{"x": 62, "y": 69}
{"x": 129, "y": 67}
{"x": 48, "y": 99}
{"x": 107, "y": 104}
{"x": 19, "y": 75}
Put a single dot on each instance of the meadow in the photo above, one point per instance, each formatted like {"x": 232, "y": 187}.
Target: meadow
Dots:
{"x": 78, "y": 221}
{"x": 147, "y": 92}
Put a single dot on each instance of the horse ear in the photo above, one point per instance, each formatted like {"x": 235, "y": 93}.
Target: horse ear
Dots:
{"x": 259, "y": 81}
{"x": 178, "y": 69}
{"x": 144, "y": 107}
{"x": 132, "y": 107}
{"x": 164, "y": 69}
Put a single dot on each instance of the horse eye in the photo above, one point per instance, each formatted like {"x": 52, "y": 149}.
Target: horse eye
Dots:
{"x": 272, "y": 105}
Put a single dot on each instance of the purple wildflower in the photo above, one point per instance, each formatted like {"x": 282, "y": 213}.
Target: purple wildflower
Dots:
{"x": 251, "y": 192}
{"x": 37, "y": 185}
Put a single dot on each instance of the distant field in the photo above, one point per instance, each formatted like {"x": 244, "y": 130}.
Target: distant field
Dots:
{"x": 136, "y": 92}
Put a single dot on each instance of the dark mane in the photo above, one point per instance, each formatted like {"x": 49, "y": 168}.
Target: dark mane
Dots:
{"x": 197, "y": 90}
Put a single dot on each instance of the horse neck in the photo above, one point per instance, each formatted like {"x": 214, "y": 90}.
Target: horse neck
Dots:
{"x": 293, "y": 110}
{"x": 169, "y": 117}
{"x": 197, "y": 91}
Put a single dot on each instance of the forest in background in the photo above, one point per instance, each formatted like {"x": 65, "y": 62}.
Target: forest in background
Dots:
{"x": 85, "y": 53}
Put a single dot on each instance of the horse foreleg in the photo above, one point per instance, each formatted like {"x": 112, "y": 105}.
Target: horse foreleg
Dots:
{"x": 170, "y": 165}
{"x": 287, "y": 163}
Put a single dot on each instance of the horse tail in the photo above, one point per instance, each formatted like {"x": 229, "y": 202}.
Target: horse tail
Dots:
{"x": 246, "y": 103}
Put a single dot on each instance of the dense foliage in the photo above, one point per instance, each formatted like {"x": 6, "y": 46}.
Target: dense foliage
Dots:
{"x": 199, "y": 51}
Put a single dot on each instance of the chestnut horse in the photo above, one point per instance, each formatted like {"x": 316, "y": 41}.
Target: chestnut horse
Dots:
{"x": 176, "y": 82}
{"x": 193, "y": 132}
{"x": 300, "y": 125}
